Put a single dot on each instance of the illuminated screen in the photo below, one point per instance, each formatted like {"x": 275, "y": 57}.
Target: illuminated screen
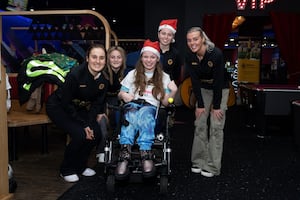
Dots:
{"x": 17, "y": 5}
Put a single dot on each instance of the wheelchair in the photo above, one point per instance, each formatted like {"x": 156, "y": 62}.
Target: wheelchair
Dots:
{"x": 161, "y": 151}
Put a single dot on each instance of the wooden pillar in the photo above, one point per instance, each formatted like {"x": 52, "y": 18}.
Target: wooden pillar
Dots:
{"x": 4, "y": 184}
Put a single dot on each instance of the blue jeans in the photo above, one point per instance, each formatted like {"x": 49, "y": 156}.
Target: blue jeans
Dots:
{"x": 141, "y": 119}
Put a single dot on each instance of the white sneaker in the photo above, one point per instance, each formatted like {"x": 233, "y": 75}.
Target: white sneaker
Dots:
{"x": 88, "y": 172}
{"x": 196, "y": 170}
{"x": 207, "y": 174}
{"x": 70, "y": 178}
{"x": 100, "y": 157}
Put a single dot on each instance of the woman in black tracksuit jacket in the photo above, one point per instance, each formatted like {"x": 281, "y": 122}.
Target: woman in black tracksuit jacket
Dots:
{"x": 76, "y": 106}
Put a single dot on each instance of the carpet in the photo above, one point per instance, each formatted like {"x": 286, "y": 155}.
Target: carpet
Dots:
{"x": 252, "y": 168}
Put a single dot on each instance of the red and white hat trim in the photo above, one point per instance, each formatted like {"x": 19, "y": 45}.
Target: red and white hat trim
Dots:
{"x": 170, "y": 24}
{"x": 152, "y": 47}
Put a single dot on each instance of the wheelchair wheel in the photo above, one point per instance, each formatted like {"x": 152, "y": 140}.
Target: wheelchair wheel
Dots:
{"x": 110, "y": 183}
{"x": 163, "y": 184}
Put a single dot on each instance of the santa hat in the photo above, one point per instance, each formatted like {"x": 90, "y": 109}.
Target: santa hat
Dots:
{"x": 152, "y": 47}
{"x": 170, "y": 24}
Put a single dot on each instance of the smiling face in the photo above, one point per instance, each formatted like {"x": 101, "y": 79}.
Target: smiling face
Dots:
{"x": 115, "y": 60}
{"x": 165, "y": 36}
{"x": 194, "y": 41}
{"x": 149, "y": 60}
{"x": 96, "y": 60}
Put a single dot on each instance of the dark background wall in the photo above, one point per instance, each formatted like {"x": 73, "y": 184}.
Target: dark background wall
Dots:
{"x": 190, "y": 13}
{"x": 140, "y": 19}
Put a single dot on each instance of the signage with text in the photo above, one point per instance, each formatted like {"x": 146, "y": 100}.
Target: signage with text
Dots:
{"x": 241, "y": 4}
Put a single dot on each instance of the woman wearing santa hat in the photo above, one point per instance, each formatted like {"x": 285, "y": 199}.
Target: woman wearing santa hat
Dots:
{"x": 171, "y": 59}
{"x": 143, "y": 90}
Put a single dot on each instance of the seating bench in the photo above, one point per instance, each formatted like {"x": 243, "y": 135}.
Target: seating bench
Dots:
{"x": 19, "y": 117}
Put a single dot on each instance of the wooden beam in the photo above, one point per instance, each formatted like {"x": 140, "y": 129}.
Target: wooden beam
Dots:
{"x": 4, "y": 183}
{"x": 64, "y": 12}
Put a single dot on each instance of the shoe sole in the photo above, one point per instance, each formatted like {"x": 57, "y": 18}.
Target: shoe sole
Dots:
{"x": 90, "y": 172}
{"x": 207, "y": 174}
{"x": 196, "y": 170}
{"x": 149, "y": 174}
{"x": 74, "y": 181}
{"x": 122, "y": 177}
{"x": 88, "y": 175}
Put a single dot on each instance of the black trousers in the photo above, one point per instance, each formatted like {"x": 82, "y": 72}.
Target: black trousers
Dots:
{"x": 79, "y": 148}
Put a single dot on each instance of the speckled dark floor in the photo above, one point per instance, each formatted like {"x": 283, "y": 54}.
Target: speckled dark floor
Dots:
{"x": 252, "y": 169}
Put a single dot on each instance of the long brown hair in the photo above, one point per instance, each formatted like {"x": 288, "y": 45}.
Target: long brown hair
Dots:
{"x": 157, "y": 80}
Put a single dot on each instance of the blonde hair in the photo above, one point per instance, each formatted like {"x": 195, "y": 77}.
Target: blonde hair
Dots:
{"x": 123, "y": 66}
{"x": 210, "y": 45}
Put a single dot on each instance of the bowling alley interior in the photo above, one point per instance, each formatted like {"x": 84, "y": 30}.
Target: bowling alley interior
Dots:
{"x": 259, "y": 40}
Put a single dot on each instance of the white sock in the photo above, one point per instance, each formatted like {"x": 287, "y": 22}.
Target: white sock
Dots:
{"x": 100, "y": 157}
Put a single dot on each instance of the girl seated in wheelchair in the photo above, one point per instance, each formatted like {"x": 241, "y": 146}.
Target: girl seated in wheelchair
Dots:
{"x": 143, "y": 90}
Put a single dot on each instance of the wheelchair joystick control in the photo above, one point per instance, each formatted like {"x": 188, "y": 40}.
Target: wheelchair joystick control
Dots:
{"x": 170, "y": 100}
{"x": 171, "y": 105}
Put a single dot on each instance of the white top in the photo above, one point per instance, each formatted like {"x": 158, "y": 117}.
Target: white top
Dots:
{"x": 129, "y": 87}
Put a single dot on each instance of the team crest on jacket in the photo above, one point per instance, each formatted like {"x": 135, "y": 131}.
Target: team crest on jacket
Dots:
{"x": 210, "y": 63}
{"x": 170, "y": 61}
{"x": 101, "y": 86}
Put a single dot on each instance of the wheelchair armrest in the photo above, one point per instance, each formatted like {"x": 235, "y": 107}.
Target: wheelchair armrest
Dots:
{"x": 114, "y": 107}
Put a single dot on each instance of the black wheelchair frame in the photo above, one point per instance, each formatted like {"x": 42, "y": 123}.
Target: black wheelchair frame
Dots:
{"x": 161, "y": 150}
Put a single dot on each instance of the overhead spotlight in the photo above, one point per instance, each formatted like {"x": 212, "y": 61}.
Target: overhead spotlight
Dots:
{"x": 114, "y": 20}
